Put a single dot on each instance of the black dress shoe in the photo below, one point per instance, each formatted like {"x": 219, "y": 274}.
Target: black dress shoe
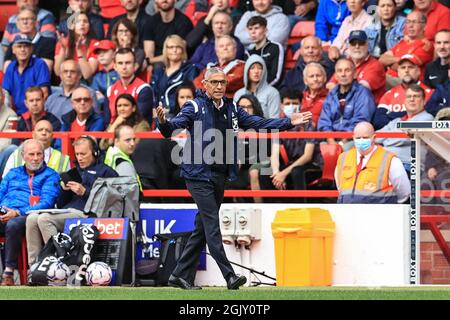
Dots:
{"x": 181, "y": 283}
{"x": 235, "y": 281}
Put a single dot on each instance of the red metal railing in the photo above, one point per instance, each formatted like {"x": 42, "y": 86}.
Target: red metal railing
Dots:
{"x": 66, "y": 148}
{"x": 432, "y": 222}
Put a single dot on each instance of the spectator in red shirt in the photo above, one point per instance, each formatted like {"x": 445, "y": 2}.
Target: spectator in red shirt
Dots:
{"x": 438, "y": 16}
{"x": 314, "y": 76}
{"x": 126, "y": 66}
{"x": 79, "y": 46}
{"x": 414, "y": 43}
{"x": 369, "y": 71}
{"x": 392, "y": 103}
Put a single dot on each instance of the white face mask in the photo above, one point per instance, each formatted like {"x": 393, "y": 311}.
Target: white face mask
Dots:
{"x": 290, "y": 109}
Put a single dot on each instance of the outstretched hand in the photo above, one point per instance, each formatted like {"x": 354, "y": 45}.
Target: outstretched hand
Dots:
{"x": 161, "y": 113}
{"x": 300, "y": 118}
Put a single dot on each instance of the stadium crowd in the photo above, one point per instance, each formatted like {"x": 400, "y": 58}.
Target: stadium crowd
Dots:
{"x": 88, "y": 69}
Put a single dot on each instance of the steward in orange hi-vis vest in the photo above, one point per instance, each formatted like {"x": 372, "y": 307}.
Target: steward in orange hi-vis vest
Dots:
{"x": 371, "y": 184}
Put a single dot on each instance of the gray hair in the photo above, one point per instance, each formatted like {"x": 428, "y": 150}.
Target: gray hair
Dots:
{"x": 226, "y": 36}
{"x": 81, "y": 86}
{"x": 77, "y": 66}
{"x": 319, "y": 42}
{"x": 314, "y": 65}
{"x": 30, "y": 141}
{"x": 347, "y": 60}
{"x": 211, "y": 71}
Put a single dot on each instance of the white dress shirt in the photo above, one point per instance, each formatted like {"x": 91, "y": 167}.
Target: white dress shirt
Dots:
{"x": 398, "y": 177}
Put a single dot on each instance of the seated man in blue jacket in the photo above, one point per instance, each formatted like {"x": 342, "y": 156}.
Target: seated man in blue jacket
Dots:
{"x": 347, "y": 104}
{"x": 32, "y": 186}
{"x": 76, "y": 187}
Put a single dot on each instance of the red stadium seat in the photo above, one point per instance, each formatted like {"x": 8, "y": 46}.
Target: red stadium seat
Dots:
{"x": 301, "y": 30}
{"x": 289, "y": 61}
{"x": 23, "y": 261}
{"x": 8, "y": 8}
{"x": 145, "y": 76}
{"x": 330, "y": 154}
{"x": 105, "y": 28}
{"x": 110, "y": 8}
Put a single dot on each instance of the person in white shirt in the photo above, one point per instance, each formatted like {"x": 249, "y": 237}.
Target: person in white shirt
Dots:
{"x": 368, "y": 173}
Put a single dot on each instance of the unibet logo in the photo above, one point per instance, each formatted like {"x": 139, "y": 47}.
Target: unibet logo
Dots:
{"x": 110, "y": 228}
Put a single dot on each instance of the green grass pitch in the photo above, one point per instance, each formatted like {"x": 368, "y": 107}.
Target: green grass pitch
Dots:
{"x": 220, "y": 293}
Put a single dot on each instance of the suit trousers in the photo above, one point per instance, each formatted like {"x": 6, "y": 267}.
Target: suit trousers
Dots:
{"x": 41, "y": 227}
{"x": 208, "y": 196}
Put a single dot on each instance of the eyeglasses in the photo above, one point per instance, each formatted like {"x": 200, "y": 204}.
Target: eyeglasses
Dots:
{"x": 357, "y": 42}
{"x": 215, "y": 83}
{"x": 84, "y": 99}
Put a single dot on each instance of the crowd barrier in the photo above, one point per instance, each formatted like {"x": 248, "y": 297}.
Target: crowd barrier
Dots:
{"x": 68, "y": 137}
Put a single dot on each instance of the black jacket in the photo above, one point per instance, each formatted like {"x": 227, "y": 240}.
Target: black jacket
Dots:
{"x": 273, "y": 55}
{"x": 435, "y": 73}
{"x": 68, "y": 199}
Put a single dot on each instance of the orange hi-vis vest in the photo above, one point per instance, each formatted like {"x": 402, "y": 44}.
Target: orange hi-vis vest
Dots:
{"x": 371, "y": 185}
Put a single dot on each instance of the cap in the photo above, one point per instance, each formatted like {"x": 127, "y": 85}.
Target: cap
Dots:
{"x": 104, "y": 45}
{"x": 411, "y": 58}
{"x": 22, "y": 38}
{"x": 357, "y": 35}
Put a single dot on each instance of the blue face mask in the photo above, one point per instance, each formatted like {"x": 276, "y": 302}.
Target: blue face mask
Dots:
{"x": 363, "y": 144}
{"x": 290, "y": 109}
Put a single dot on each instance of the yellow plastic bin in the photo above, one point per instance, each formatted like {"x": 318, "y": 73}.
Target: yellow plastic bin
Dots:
{"x": 303, "y": 247}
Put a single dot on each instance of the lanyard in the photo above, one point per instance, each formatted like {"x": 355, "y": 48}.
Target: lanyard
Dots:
{"x": 30, "y": 183}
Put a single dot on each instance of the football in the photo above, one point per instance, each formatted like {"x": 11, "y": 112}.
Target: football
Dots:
{"x": 98, "y": 274}
{"x": 57, "y": 274}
